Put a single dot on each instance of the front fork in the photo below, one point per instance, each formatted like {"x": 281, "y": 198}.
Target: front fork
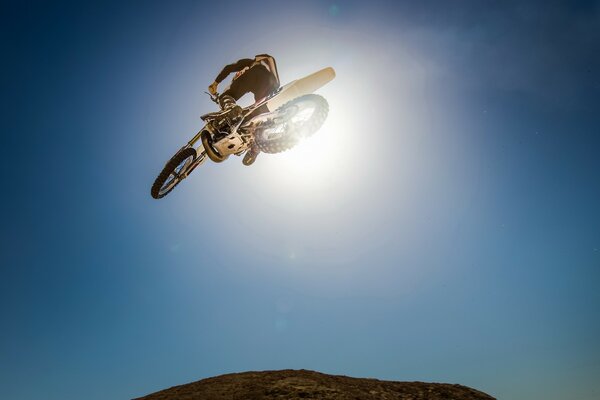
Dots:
{"x": 195, "y": 139}
{"x": 199, "y": 159}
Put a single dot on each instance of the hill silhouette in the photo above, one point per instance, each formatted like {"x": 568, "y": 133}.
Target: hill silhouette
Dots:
{"x": 304, "y": 384}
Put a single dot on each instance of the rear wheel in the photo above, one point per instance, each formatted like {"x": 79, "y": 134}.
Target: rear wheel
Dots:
{"x": 301, "y": 118}
{"x": 174, "y": 172}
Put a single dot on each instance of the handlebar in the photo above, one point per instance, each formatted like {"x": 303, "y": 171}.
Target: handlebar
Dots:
{"x": 214, "y": 98}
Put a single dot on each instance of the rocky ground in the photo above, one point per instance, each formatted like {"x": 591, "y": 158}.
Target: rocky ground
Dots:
{"x": 302, "y": 384}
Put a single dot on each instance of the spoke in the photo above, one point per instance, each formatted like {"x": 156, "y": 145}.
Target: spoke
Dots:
{"x": 181, "y": 166}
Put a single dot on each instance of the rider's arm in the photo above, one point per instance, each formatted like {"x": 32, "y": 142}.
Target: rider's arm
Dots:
{"x": 235, "y": 67}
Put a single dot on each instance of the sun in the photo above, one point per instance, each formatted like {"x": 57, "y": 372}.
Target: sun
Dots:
{"x": 317, "y": 159}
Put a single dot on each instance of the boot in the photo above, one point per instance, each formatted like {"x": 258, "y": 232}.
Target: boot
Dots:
{"x": 251, "y": 155}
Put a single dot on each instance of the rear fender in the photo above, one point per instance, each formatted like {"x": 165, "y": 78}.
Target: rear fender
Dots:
{"x": 300, "y": 87}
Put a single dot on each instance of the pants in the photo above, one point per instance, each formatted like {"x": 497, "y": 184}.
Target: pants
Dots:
{"x": 257, "y": 80}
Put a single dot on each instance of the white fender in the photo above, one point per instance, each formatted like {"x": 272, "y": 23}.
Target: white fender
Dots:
{"x": 300, "y": 87}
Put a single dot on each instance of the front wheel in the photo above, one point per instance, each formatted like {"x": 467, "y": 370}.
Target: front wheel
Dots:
{"x": 174, "y": 172}
{"x": 300, "y": 118}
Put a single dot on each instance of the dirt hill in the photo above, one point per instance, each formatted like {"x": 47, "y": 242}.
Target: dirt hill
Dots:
{"x": 302, "y": 384}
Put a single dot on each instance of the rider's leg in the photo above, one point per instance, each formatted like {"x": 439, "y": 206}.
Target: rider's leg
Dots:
{"x": 227, "y": 103}
{"x": 259, "y": 86}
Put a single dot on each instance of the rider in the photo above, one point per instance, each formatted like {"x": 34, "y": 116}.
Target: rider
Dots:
{"x": 256, "y": 75}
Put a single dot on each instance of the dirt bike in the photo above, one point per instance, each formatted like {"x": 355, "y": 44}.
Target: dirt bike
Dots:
{"x": 286, "y": 116}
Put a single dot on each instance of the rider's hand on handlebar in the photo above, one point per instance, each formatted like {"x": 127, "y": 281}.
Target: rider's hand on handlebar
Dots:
{"x": 212, "y": 89}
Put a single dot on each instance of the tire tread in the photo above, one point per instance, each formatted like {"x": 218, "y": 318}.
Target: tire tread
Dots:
{"x": 170, "y": 166}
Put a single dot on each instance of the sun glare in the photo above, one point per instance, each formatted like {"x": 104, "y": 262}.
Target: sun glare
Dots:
{"x": 319, "y": 159}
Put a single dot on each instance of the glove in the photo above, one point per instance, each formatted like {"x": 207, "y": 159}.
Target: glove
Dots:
{"x": 212, "y": 89}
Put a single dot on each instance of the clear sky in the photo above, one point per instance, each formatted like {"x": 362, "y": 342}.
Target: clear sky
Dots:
{"x": 443, "y": 225}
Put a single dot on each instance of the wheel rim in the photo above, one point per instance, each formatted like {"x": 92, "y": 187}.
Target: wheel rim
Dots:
{"x": 297, "y": 123}
{"x": 176, "y": 175}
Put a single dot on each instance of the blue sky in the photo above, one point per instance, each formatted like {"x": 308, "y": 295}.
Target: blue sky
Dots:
{"x": 442, "y": 226}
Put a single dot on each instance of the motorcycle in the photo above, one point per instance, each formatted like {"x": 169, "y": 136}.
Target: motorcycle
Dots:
{"x": 271, "y": 125}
